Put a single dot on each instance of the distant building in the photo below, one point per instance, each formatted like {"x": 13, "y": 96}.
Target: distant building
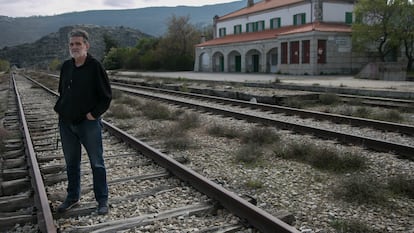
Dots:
{"x": 282, "y": 36}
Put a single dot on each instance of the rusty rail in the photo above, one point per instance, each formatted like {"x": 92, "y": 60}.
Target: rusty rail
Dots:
{"x": 253, "y": 215}
{"x": 43, "y": 212}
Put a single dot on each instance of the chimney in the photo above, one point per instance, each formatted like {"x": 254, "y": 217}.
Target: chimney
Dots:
{"x": 250, "y": 3}
{"x": 202, "y": 39}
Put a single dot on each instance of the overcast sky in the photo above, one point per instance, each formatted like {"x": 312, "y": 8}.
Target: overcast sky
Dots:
{"x": 23, "y": 8}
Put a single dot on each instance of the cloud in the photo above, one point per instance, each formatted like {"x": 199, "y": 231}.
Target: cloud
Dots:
{"x": 120, "y": 3}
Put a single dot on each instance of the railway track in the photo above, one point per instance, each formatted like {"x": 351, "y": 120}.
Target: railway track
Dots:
{"x": 397, "y": 142}
{"x": 395, "y": 137}
{"x": 383, "y": 99}
{"x": 148, "y": 189}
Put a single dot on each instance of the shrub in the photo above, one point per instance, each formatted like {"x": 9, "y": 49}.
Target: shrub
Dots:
{"x": 223, "y": 131}
{"x": 260, "y": 136}
{"x": 189, "y": 121}
{"x": 354, "y": 226}
{"x": 249, "y": 153}
{"x": 329, "y": 99}
{"x": 322, "y": 158}
{"x": 401, "y": 185}
{"x": 154, "y": 110}
{"x": 389, "y": 115}
{"x": 362, "y": 112}
{"x": 361, "y": 189}
{"x": 119, "y": 111}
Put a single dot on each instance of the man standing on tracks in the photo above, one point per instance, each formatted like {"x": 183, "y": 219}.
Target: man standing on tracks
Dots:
{"x": 85, "y": 94}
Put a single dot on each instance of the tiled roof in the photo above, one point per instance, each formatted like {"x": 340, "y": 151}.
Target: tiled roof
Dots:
{"x": 274, "y": 33}
{"x": 260, "y": 6}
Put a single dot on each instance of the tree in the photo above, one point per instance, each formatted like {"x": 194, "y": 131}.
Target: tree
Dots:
{"x": 4, "y": 65}
{"x": 109, "y": 43}
{"x": 405, "y": 29}
{"x": 176, "y": 48}
{"x": 54, "y": 65}
{"x": 374, "y": 27}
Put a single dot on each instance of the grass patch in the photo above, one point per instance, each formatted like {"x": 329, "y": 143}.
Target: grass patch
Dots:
{"x": 260, "y": 136}
{"x": 388, "y": 115}
{"x": 361, "y": 189}
{"x": 181, "y": 142}
{"x": 293, "y": 102}
{"x": 189, "y": 121}
{"x": 362, "y": 112}
{"x": 249, "y": 153}
{"x": 154, "y": 110}
{"x": 322, "y": 158}
{"x": 329, "y": 99}
{"x": 218, "y": 130}
{"x": 401, "y": 185}
{"x": 119, "y": 111}
{"x": 254, "y": 184}
{"x": 347, "y": 226}
{"x": 176, "y": 138}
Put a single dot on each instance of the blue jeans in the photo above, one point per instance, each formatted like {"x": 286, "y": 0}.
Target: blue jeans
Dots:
{"x": 89, "y": 134}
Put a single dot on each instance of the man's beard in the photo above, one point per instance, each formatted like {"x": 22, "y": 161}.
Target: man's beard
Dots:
{"x": 77, "y": 54}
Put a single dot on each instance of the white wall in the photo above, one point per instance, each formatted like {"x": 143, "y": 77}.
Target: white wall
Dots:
{"x": 335, "y": 12}
{"x": 332, "y": 12}
{"x": 286, "y": 14}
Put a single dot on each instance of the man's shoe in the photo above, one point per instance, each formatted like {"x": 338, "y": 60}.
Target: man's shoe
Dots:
{"x": 103, "y": 208}
{"x": 66, "y": 205}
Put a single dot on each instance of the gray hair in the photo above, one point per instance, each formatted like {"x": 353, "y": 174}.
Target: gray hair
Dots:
{"x": 79, "y": 33}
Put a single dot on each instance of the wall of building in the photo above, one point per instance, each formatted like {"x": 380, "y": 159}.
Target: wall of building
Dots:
{"x": 335, "y": 12}
{"x": 285, "y": 13}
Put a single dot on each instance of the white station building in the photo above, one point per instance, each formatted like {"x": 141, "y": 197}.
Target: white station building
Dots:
{"x": 283, "y": 36}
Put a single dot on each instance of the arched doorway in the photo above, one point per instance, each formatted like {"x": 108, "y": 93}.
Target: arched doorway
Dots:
{"x": 272, "y": 60}
{"x": 218, "y": 62}
{"x": 234, "y": 61}
{"x": 253, "y": 62}
{"x": 204, "y": 64}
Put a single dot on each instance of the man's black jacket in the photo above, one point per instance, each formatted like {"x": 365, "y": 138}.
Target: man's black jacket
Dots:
{"x": 83, "y": 89}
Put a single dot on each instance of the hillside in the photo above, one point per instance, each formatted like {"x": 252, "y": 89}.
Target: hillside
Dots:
{"x": 150, "y": 20}
{"x": 55, "y": 45}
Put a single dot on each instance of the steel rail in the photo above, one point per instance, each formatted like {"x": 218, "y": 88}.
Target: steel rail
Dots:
{"x": 356, "y": 121}
{"x": 43, "y": 212}
{"x": 253, "y": 215}
{"x": 378, "y": 145}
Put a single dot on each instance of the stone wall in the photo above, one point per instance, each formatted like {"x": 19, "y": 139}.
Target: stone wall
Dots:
{"x": 393, "y": 71}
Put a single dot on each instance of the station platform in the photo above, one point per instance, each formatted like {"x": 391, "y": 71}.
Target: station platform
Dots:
{"x": 306, "y": 80}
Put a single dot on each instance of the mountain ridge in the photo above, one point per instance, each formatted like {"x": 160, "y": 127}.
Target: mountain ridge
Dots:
{"x": 20, "y": 30}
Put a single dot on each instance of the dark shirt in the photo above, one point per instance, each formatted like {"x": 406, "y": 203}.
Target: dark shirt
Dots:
{"x": 83, "y": 89}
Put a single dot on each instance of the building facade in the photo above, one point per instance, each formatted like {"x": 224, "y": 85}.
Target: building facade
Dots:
{"x": 282, "y": 36}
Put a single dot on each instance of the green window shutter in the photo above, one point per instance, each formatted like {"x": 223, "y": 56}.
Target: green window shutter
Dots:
{"x": 271, "y": 24}
{"x": 303, "y": 18}
{"x": 348, "y": 17}
{"x": 295, "y": 20}
{"x": 278, "y": 22}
